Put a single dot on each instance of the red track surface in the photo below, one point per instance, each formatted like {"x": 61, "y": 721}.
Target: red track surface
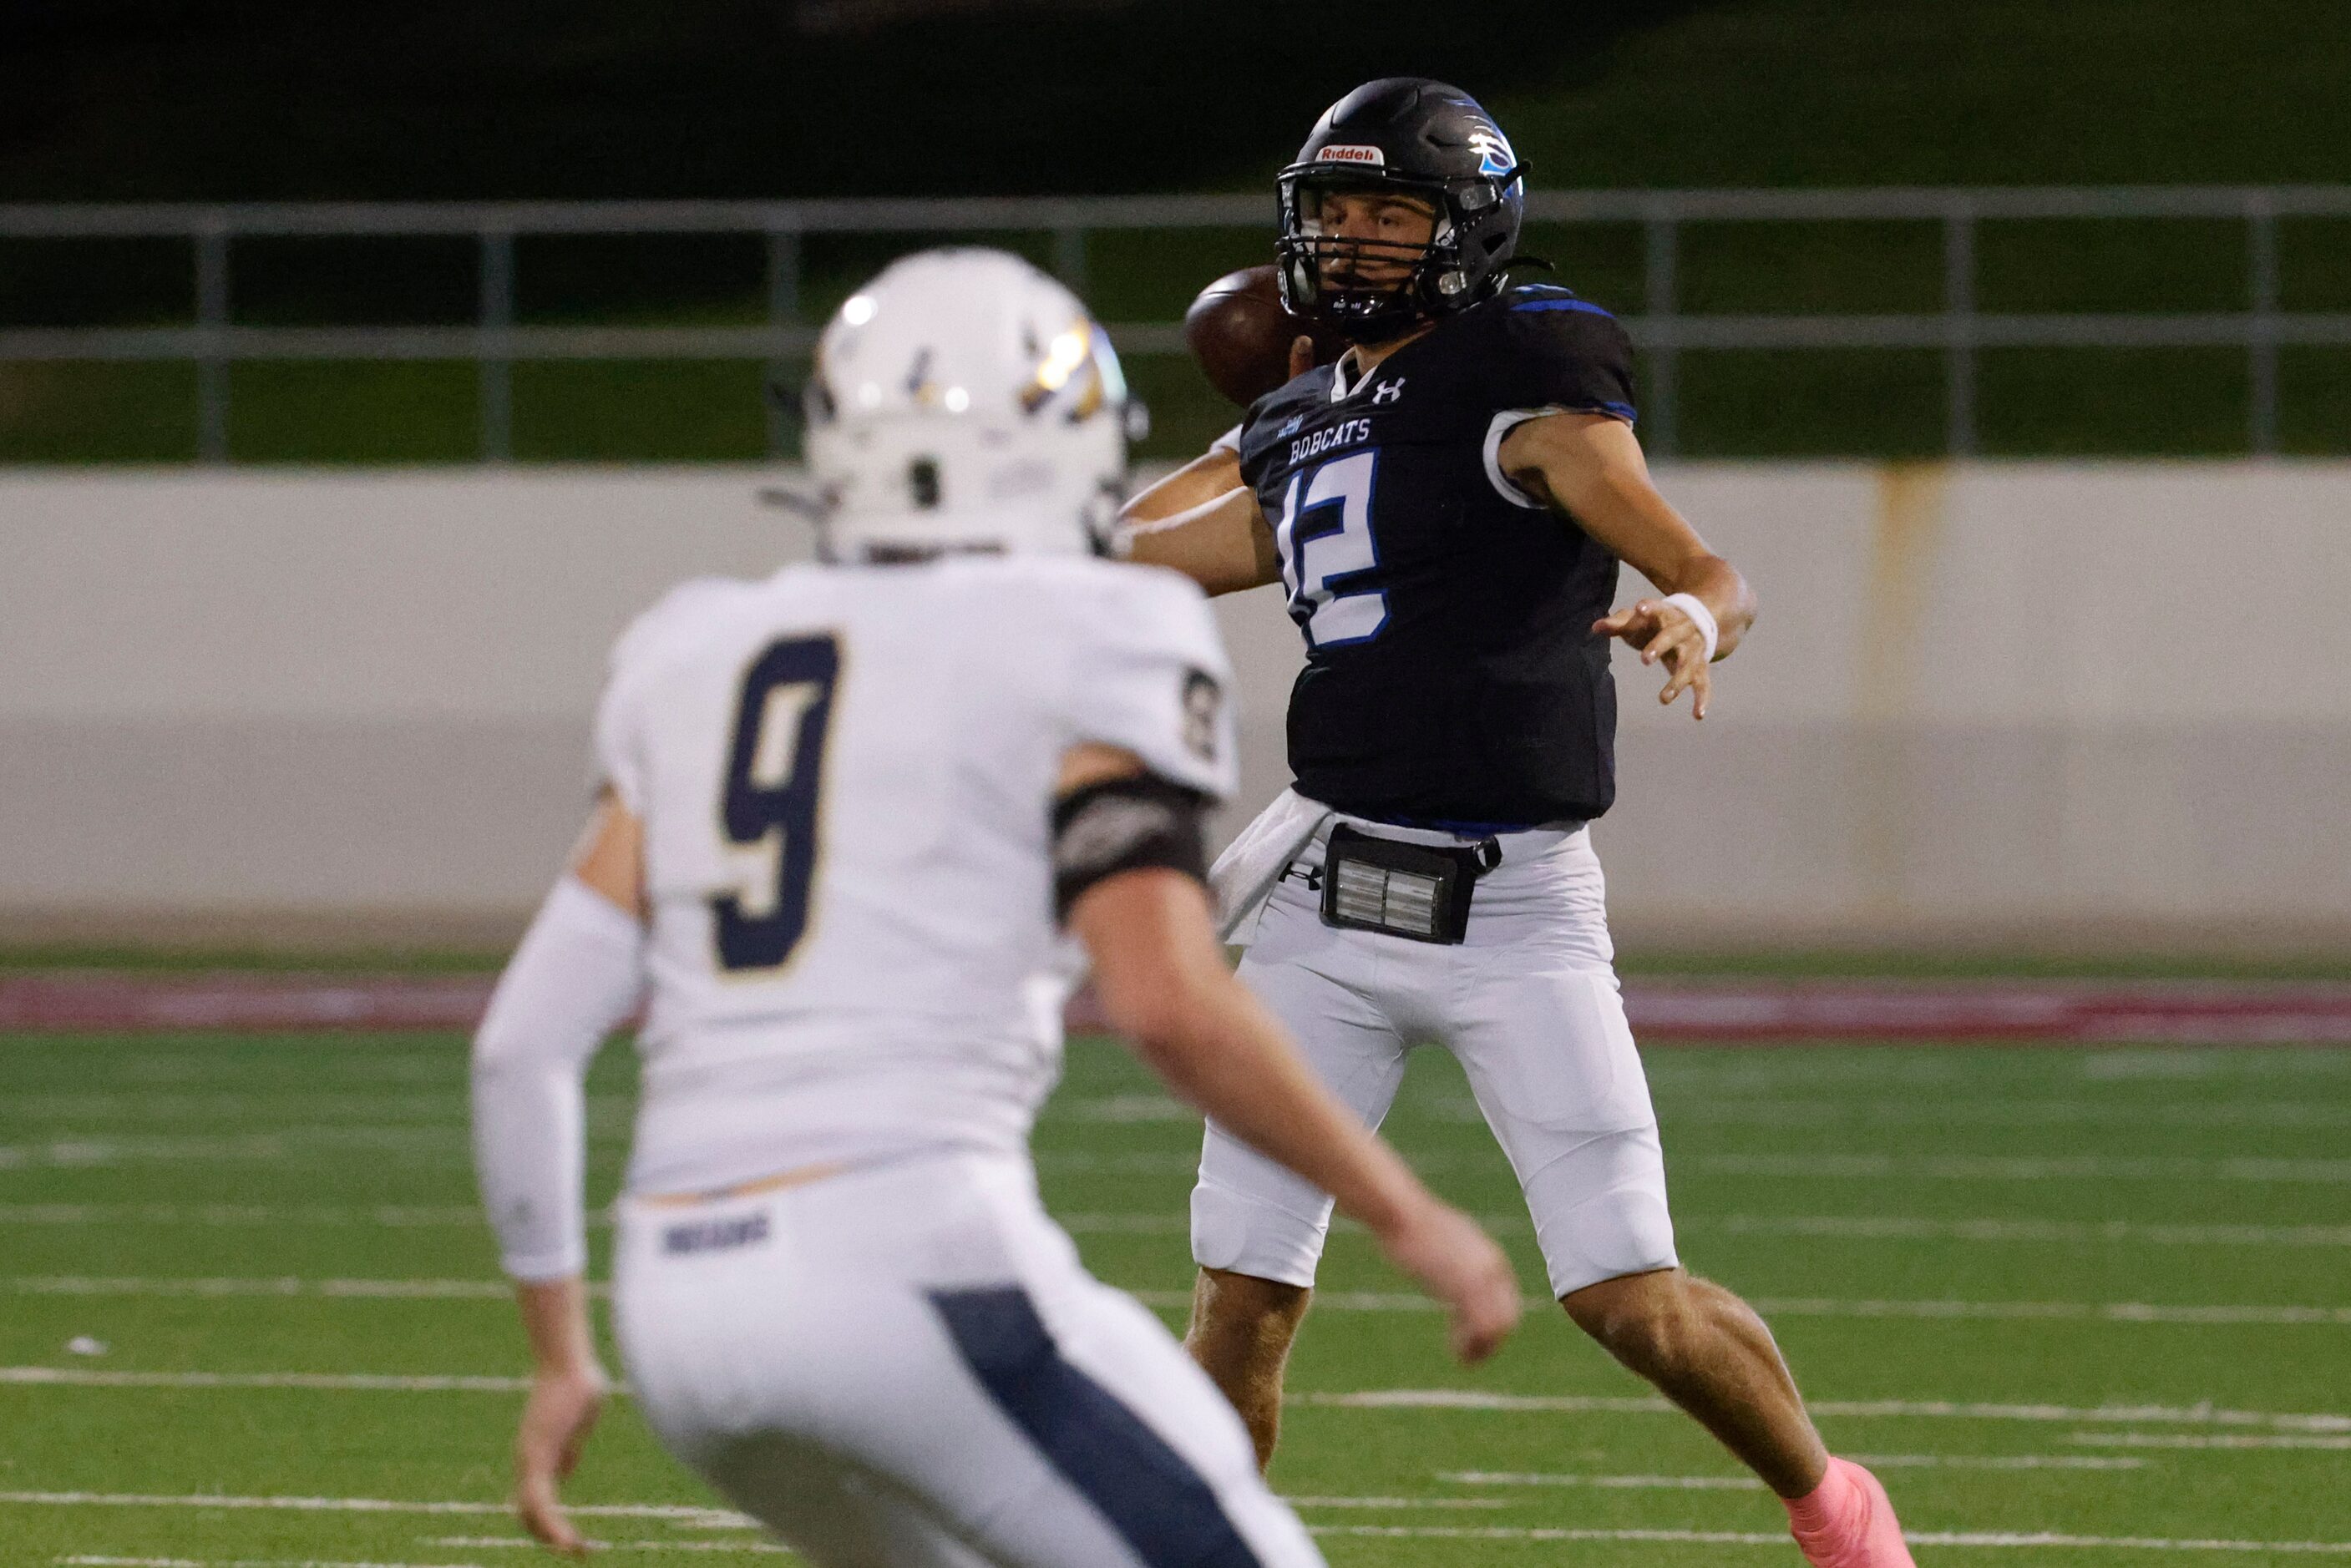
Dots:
{"x": 1692, "y": 1012}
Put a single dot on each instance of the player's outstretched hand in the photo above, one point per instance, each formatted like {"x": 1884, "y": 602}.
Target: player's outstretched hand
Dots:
{"x": 1460, "y": 1266}
{"x": 561, "y": 1412}
{"x": 1664, "y": 631}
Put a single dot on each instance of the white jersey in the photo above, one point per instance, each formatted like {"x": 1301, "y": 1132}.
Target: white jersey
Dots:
{"x": 845, "y": 775}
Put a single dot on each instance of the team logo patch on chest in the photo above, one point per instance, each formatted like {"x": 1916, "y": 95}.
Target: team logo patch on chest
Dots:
{"x": 715, "y": 1235}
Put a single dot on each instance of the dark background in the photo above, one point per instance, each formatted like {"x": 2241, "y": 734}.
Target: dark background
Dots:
{"x": 136, "y": 100}
{"x": 140, "y": 100}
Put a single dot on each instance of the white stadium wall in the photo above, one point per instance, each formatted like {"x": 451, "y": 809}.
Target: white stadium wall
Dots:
{"x": 2005, "y": 704}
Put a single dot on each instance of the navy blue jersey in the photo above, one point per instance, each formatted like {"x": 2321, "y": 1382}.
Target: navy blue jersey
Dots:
{"x": 1451, "y": 673}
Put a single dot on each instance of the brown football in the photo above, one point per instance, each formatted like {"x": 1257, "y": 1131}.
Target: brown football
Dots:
{"x": 1239, "y": 333}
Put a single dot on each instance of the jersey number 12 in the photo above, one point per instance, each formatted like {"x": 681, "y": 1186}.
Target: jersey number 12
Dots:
{"x": 1324, "y": 565}
{"x": 775, "y": 767}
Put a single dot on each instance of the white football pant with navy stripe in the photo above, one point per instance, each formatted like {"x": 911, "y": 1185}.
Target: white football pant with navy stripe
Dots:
{"x": 905, "y": 1365}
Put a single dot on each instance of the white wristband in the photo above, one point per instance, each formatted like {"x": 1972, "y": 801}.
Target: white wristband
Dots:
{"x": 1695, "y": 607}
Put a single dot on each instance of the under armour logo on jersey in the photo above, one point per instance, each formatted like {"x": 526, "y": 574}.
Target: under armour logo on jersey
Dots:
{"x": 1388, "y": 391}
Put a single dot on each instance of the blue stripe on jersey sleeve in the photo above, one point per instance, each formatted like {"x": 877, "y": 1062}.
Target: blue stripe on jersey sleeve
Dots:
{"x": 1584, "y": 305}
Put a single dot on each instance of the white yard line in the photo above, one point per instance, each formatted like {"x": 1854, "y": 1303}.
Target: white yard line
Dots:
{"x": 1932, "y": 1111}
{"x": 86, "y": 1559}
{"x": 2323, "y": 1423}
{"x": 1169, "y": 1223}
{"x": 689, "y": 1513}
{"x": 2080, "y": 1312}
{"x": 1747, "y": 1483}
{"x": 1173, "y": 1222}
{"x": 2189, "y": 1440}
{"x": 1638, "y": 1404}
{"x": 2100, "y": 1311}
{"x": 2025, "y": 1167}
{"x": 1986, "y": 1537}
{"x": 1610, "y": 1483}
{"x": 1863, "y": 1227}
{"x": 523, "y": 1544}
{"x": 389, "y": 1216}
{"x": 1997, "y": 1461}
{"x": 2221, "y": 1315}
{"x": 1437, "y": 1502}
{"x": 446, "y": 1147}
{"x": 321, "y": 1382}
{"x": 389, "y": 1290}
{"x": 76, "y": 1151}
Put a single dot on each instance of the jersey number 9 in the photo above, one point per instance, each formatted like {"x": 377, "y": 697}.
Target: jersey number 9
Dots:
{"x": 775, "y": 768}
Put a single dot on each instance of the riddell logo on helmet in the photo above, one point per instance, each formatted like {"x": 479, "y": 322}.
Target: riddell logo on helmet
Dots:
{"x": 1350, "y": 153}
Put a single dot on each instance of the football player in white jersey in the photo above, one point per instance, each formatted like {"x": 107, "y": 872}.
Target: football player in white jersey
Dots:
{"x": 861, "y": 826}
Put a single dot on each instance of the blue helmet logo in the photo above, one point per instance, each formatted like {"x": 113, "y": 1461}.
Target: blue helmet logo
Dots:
{"x": 1494, "y": 158}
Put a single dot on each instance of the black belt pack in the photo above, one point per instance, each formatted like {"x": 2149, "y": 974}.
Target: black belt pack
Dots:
{"x": 1418, "y": 891}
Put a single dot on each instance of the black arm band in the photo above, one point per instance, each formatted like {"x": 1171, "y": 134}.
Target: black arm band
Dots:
{"x": 1126, "y": 825}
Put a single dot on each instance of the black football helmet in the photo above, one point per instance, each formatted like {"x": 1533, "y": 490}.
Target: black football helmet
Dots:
{"x": 1405, "y": 136}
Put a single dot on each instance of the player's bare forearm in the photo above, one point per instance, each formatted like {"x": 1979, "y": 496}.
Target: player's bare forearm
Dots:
{"x": 1203, "y": 522}
{"x": 555, "y": 1320}
{"x": 1215, "y": 473}
{"x": 1163, "y": 982}
{"x": 1591, "y": 467}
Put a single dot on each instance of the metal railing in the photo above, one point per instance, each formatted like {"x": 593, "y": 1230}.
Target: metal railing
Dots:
{"x": 494, "y": 341}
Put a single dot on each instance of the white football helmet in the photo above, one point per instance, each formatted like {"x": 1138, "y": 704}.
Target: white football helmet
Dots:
{"x": 964, "y": 401}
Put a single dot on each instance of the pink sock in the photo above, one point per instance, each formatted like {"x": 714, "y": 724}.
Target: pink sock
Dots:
{"x": 1825, "y": 1506}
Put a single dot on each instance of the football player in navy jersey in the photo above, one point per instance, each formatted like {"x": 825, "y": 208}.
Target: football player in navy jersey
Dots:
{"x": 1446, "y": 507}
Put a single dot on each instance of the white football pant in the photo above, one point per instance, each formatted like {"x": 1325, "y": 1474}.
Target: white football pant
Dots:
{"x": 905, "y": 1367}
{"x": 1529, "y": 1004}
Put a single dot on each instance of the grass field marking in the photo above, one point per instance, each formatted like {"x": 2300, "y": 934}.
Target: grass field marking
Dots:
{"x": 1637, "y": 1404}
{"x": 321, "y": 1382}
{"x": 1808, "y": 1306}
{"x": 388, "y": 1216}
{"x": 2194, "y": 1440}
{"x": 1862, "y": 1227}
{"x": 2027, "y": 1168}
{"x": 1552, "y": 1533}
{"x": 1437, "y": 1502}
{"x": 524, "y": 1543}
{"x": 361, "y": 1290}
{"x": 1624, "y": 1483}
{"x": 85, "y": 1560}
{"x": 75, "y": 1152}
{"x": 1990, "y": 1538}
{"x": 1173, "y": 1221}
{"x": 1926, "y": 1110}
{"x": 1749, "y": 1483}
{"x": 2102, "y": 1312}
{"x": 691, "y": 1515}
{"x": 1329, "y": 1301}
{"x": 1999, "y": 1461}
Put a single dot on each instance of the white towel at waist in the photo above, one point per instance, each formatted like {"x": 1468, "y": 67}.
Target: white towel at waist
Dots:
{"x": 1244, "y": 874}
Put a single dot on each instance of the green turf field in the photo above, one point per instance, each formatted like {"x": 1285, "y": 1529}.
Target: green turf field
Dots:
{"x": 2098, "y": 1295}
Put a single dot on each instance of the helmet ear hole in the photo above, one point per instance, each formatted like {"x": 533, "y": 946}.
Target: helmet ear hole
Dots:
{"x": 923, "y": 482}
